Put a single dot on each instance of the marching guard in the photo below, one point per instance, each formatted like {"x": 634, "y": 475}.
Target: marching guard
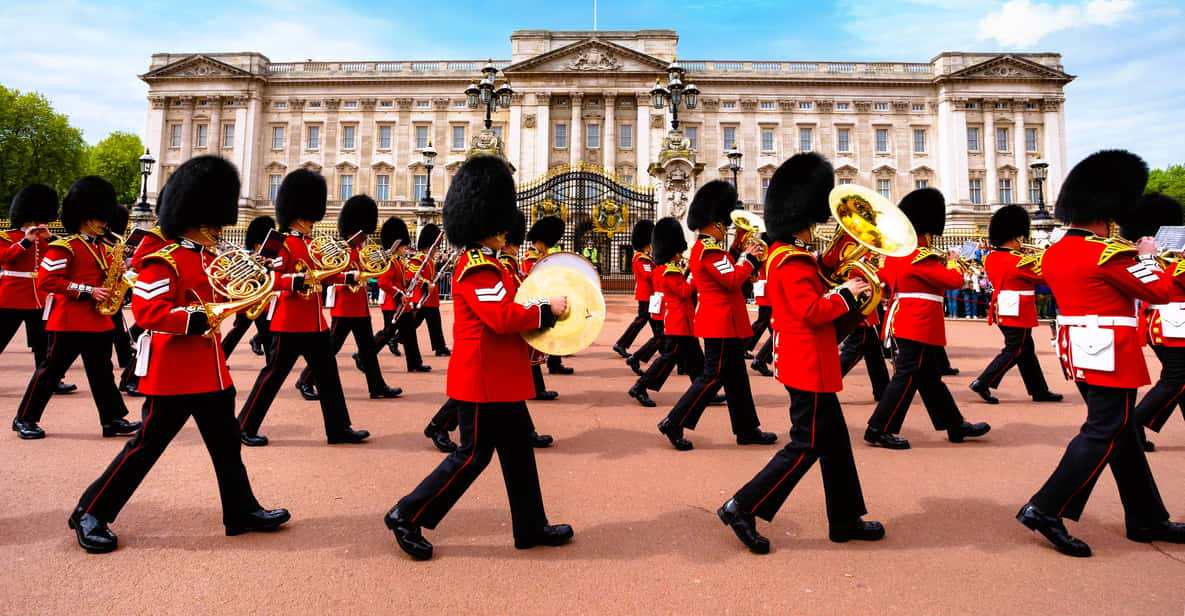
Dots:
{"x": 641, "y": 264}
{"x": 541, "y": 237}
{"x": 721, "y": 319}
{"x": 489, "y": 375}
{"x": 806, "y": 363}
{"x": 257, "y": 231}
{"x": 426, "y": 296}
{"x": 1014, "y": 276}
{"x": 916, "y": 322}
{"x": 395, "y": 238}
{"x": 203, "y": 197}
{"x": 644, "y": 270}
{"x": 297, "y": 324}
{"x": 1097, "y": 280}
{"x": 73, "y": 270}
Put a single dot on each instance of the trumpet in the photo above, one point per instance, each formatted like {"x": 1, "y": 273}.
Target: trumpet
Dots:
{"x": 868, "y": 222}
{"x": 244, "y": 279}
{"x": 749, "y": 238}
{"x": 970, "y": 266}
{"x": 330, "y": 257}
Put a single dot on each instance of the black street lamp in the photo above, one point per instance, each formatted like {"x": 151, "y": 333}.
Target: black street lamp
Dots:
{"x": 734, "y": 164}
{"x": 146, "y": 163}
{"x": 674, "y": 93}
{"x": 484, "y": 93}
{"x": 1040, "y": 170}
{"x": 429, "y": 154}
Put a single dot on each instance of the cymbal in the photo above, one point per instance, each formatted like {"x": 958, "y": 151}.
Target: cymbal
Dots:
{"x": 581, "y": 324}
{"x": 568, "y": 259}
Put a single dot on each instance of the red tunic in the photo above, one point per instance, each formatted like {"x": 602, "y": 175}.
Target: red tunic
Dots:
{"x": 510, "y": 262}
{"x": 152, "y": 241}
{"x": 760, "y": 292}
{"x": 530, "y": 258}
{"x": 721, "y": 312}
{"x": 350, "y": 300}
{"x": 490, "y": 361}
{"x": 19, "y": 258}
{"x": 429, "y": 274}
{"x": 71, "y": 268}
{"x": 656, "y": 287}
{"x": 297, "y": 311}
{"x": 918, "y": 311}
{"x": 1153, "y": 324}
{"x": 804, "y": 311}
{"x": 392, "y": 284}
{"x": 1017, "y": 272}
{"x": 171, "y": 285}
{"x": 677, "y": 301}
{"x": 1091, "y": 275}
{"x": 643, "y": 265}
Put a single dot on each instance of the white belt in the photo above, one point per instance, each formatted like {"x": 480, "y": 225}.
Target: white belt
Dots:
{"x": 1176, "y": 305}
{"x": 12, "y": 274}
{"x": 1094, "y": 319}
{"x": 1018, "y": 292}
{"x": 926, "y": 296}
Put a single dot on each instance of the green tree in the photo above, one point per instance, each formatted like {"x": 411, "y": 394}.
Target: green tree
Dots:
{"x": 36, "y": 145}
{"x": 1170, "y": 181}
{"x": 117, "y": 158}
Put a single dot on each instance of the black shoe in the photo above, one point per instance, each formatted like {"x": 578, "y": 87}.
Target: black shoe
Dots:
{"x": 545, "y": 395}
{"x": 1047, "y": 396}
{"x": 620, "y": 350}
{"x": 761, "y": 368}
{"x": 856, "y": 529}
{"x": 968, "y": 429}
{"x": 120, "y": 427}
{"x": 386, "y": 392}
{"x": 950, "y": 372}
{"x": 64, "y": 388}
{"x": 357, "y": 362}
{"x": 28, "y": 430}
{"x": 643, "y": 398}
{"x": 256, "y": 346}
{"x": 1148, "y": 446}
{"x": 443, "y": 352}
{"x": 132, "y": 389}
{"x": 635, "y": 365}
{"x": 717, "y": 400}
{"x": 984, "y": 391}
{"x": 93, "y": 534}
{"x": 541, "y": 441}
{"x": 561, "y": 370}
{"x": 348, "y": 435}
{"x": 393, "y": 346}
{"x": 888, "y": 441}
{"x": 440, "y": 439}
{"x": 551, "y": 536}
{"x": 674, "y": 434}
{"x": 744, "y": 525}
{"x": 408, "y": 535}
{"x": 757, "y": 437}
{"x": 420, "y": 368}
{"x": 253, "y": 440}
{"x": 307, "y": 391}
{"x": 1053, "y": 530}
{"x": 1169, "y": 532}
{"x": 260, "y": 520}
{"x": 748, "y": 355}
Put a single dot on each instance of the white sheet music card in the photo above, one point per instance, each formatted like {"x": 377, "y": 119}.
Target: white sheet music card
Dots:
{"x": 1171, "y": 238}
{"x": 968, "y": 250}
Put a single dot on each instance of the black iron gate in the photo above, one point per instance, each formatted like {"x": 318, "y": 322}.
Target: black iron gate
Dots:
{"x": 598, "y": 209}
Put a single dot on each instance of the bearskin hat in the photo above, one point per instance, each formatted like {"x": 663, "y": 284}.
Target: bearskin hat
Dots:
{"x": 1151, "y": 212}
{"x": 359, "y": 213}
{"x": 667, "y": 240}
{"x": 1008, "y": 223}
{"x": 640, "y": 238}
{"x": 117, "y": 220}
{"x": 797, "y": 196}
{"x": 480, "y": 202}
{"x": 203, "y": 191}
{"x": 1103, "y": 187}
{"x": 301, "y": 197}
{"x": 34, "y": 203}
{"x": 926, "y": 209}
{"x": 394, "y": 230}
{"x": 518, "y": 232}
{"x": 428, "y": 235}
{"x": 548, "y": 230}
{"x": 257, "y": 231}
{"x": 89, "y": 198}
{"x": 713, "y": 202}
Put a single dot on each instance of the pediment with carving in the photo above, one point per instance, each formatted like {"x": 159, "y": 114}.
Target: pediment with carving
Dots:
{"x": 196, "y": 67}
{"x": 1008, "y": 67}
{"x": 846, "y": 170}
{"x": 346, "y": 165}
{"x": 276, "y": 167}
{"x": 311, "y": 165}
{"x": 589, "y": 56}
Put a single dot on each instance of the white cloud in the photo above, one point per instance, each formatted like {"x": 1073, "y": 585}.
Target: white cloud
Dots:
{"x": 1022, "y": 23}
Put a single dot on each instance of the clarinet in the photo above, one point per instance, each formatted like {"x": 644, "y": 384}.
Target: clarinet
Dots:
{"x": 415, "y": 281}
{"x": 452, "y": 258}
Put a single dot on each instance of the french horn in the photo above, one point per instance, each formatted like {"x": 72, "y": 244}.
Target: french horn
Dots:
{"x": 330, "y": 257}
{"x": 244, "y": 280}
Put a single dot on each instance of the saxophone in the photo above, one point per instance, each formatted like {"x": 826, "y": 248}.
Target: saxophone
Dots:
{"x": 114, "y": 280}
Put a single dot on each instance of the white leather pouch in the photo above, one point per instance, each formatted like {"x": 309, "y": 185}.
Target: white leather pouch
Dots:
{"x": 656, "y": 303}
{"x": 1008, "y": 304}
{"x": 1172, "y": 321}
{"x": 1092, "y": 348}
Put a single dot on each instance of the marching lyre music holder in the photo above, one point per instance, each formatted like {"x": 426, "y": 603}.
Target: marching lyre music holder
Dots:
{"x": 1171, "y": 239}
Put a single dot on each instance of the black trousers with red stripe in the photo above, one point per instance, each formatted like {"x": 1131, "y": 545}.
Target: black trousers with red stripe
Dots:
{"x": 486, "y": 427}
{"x": 1108, "y": 438}
{"x": 683, "y": 351}
{"x": 35, "y": 338}
{"x": 1168, "y": 392}
{"x": 446, "y": 417}
{"x": 764, "y": 313}
{"x": 239, "y": 328}
{"x": 646, "y": 352}
{"x": 317, "y": 350}
{"x": 865, "y": 343}
{"x": 339, "y": 329}
{"x": 817, "y": 432}
{"x": 635, "y": 326}
{"x": 1018, "y": 351}
{"x": 724, "y": 366}
{"x": 121, "y": 340}
{"x": 766, "y": 354}
{"x": 918, "y": 368}
{"x": 164, "y": 416}
{"x": 402, "y": 332}
{"x": 64, "y": 348}
{"x": 431, "y": 314}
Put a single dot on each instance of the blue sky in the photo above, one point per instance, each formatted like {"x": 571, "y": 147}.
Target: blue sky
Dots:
{"x": 85, "y": 56}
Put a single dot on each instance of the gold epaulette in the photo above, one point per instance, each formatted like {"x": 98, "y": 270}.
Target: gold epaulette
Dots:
{"x": 414, "y": 264}
{"x": 64, "y": 243}
{"x": 925, "y": 252}
{"x": 643, "y": 256}
{"x": 1180, "y": 269}
{"x": 710, "y": 243}
{"x": 8, "y": 236}
{"x": 672, "y": 268}
{"x": 1027, "y": 259}
{"x": 157, "y": 232}
{"x": 474, "y": 259}
{"x": 1111, "y": 246}
{"x": 166, "y": 254}
{"x": 508, "y": 261}
{"x": 783, "y": 253}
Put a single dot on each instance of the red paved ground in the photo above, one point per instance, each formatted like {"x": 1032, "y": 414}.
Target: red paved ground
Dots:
{"x": 647, "y": 539}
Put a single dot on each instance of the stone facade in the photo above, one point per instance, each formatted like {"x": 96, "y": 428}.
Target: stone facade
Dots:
{"x": 967, "y": 123}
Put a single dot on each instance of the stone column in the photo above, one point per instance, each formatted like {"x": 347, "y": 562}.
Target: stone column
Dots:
{"x": 952, "y": 150}
{"x": 295, "y": 143}
{"x": 1055, "y": 148}
{"x": 990, "y": 190}
{"x": 156, "y": 138}
{"x": 749, "y": 143}
{"x": 609, "y": 132}
{"x": 440, "y": 141}
{"x": 401, "y": 149}
{"x": 214, "y": 138}
{"x": 248, "y": 139}
{"x": 187, "y": 128}
{"x": 514, "y": 137}
{"x": 542, "y": 134}
{"x": 642, "y": 136}
{"x": 1021, "y": 190}
{"x": 366, "y": 143}
{"x": 575, "y": 145}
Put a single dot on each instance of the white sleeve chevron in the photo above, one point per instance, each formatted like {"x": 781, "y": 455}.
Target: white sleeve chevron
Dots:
{"x": 54, "y": 265}
{"x": 493, "y": 294}
{"x": 150, "y": 290}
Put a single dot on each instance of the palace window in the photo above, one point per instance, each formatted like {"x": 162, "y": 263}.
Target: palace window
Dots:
{"x": 592, "y": 136}
{"x": 175, "y": 136}
{"x": 627, "y": 179}
{"x": 350, "y": 105}
{"x": 228, "y": 136}
{"x": 458, "y": 137}
{"x": 561, "y": 136}
{"x": 884, "y": 187}
{"x": 314, "y": 138}
{"x": 882, "y": 141}
{"x": 972, "y": 138}
{"x": 1030, "y": 140}
{"x": 386, "y": 103}
{"x": 729, "y": 138}
{"x": 844, "y": 180}
{"x": 347, "y": 137}
{"x": 918, "y": 107}
{"x": 805, "y": 139}
{"x": 880, "y": 107}
{"x": 764, "y": 187}
{"x": 921, "y": 183}
{"x": 805, "y": 106}
{"x": 919, "y": 140}
{"x": 279, "y": 105}
{"x": 767, "y": 140}
{"x": 843, "y": 140}
{"x": 1002, "y": 140}
{"x": 767, "y": 105}
{"x": 625, "y": 136}
{"x": 1001, "y": 105}
{"x": 1034, "y": 191}
{"x": 346, "y": 187}
{"x": 419, "y": 186}
{"x": 728, "y": 105}
{"x": 277, "y": 137}
{"x": 459, "y": 104}
{"x": 315, "y": 104}
{"x": 423, "y": 104}
{"x": 382, "y": 187}
{"x": 976, "y": 188}
{"x": 842, "y": 106}
{"x": 1005, "y": 190}
{"x": 421, "y": 137}
{"x": 692, "y": 133}
{"x": 384, "y": 137}
{"x": 973, "y": 105}
{"x": 202, "y": 131}
{"x": 273, "y": 186}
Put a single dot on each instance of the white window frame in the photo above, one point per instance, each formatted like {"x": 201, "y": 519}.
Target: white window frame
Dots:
{"x": 843, "y": 140}
{"x": 176, "y": 135}
{"x": 349, "y": 137}
{"x": 625, "y": 136}
{"x": 975, "y": 190}
{"x": 726, "y": 143}
{"x": 384, "y": 142}
{"x": 1005, "y": 190}
{"x": 806, "y": 138}
{"x": 419, "y": 186}
{"x": 919, "y": 148}
{"x": 458, "y": 144}
{"x": 273, "y": 189}
{"x": 382, "y": 187}
{"x": 592, "y": 136}
{"x": 1002, "y": 142}
{"x": 884, "y": 186}
{"x": 769, "y": 140}
{"x": 228, "y": 136}
{"x": 559, "y": 133}
{"x": 881, "y": 146}
{"x": 201, "y": 134}
{"x": 421, "y": 136}
{"x": 345, "y": 186}
{"x": 976, "y": 144}
{"x": 313, "y": 137}
{"x": 278, "y": 137}
{"x": 1033, "y": 145}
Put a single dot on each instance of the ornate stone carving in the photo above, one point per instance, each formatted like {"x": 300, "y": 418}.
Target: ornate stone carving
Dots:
{"x": 749, "y": 104}
{"x": 332, "y": 103}
{"x": 825, "y": 106}
{"x": 187, "y": 102}
{"x": 543, "y": 98}
{"x": 441, "y": 104}
{"x": 786, "y": 104}
{"x": 863, "y": 106}
{"x": 528, "y": 120}
{"x": 404, "y": 104}
{"x": 594, "y": 59}
{"x": 159, "y": 102}
{"x": 1050, "y": 104}
{"x": 516, "y": 99}
{"x": 677, "y": 188}
{"x": 486, "y": 142}
{"x": 1003, "y": 70}
{"x": 657, "y": 120}
{"x": 199, "y": 69}
{"x": 709, "y": 104}
{"x": 900, "y": 106}
{"x": 296, "y": 104}
{"x": 367, "y": 104}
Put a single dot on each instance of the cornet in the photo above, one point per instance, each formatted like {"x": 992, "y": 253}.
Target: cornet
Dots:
{"x": 749, "y": 238}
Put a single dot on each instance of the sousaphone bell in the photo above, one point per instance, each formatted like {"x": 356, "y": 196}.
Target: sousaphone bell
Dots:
{"x": 575, "y": 277}
{"x": 868, "y": 222}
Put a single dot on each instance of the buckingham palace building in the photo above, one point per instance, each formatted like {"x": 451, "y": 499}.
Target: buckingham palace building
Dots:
{"x": 582, "y": 112}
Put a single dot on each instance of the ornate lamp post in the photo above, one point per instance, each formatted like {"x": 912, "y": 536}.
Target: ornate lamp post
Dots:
{"x": 146, "y": 163}
{"x": 674, "y": 93}
{"x": 429, "y": 154}
{"x": 734, "y": 164}
{"x": 485, "y": 93}
{"x": 1040, "y": 170}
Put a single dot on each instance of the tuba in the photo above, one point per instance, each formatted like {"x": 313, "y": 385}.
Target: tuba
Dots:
{"x": 330, "y": 257}
{"x": 751, "y": 227}
{"x": 868, "y": 223}
{"x": 114, "y": 279}
{"x": 246, "y": 282}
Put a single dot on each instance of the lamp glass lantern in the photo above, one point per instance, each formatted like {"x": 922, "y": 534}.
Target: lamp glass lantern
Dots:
{"x": 146, "y": 163}
{"x": 658, "y": 95}
{"x": 1040, "y": 169}
{"x": 472, "y": 96}
{"x": 734, "y": 159}
{"x": 504, "y": 94}
{"x": 690, "y": 96}
{"x": 429, "y": 154}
